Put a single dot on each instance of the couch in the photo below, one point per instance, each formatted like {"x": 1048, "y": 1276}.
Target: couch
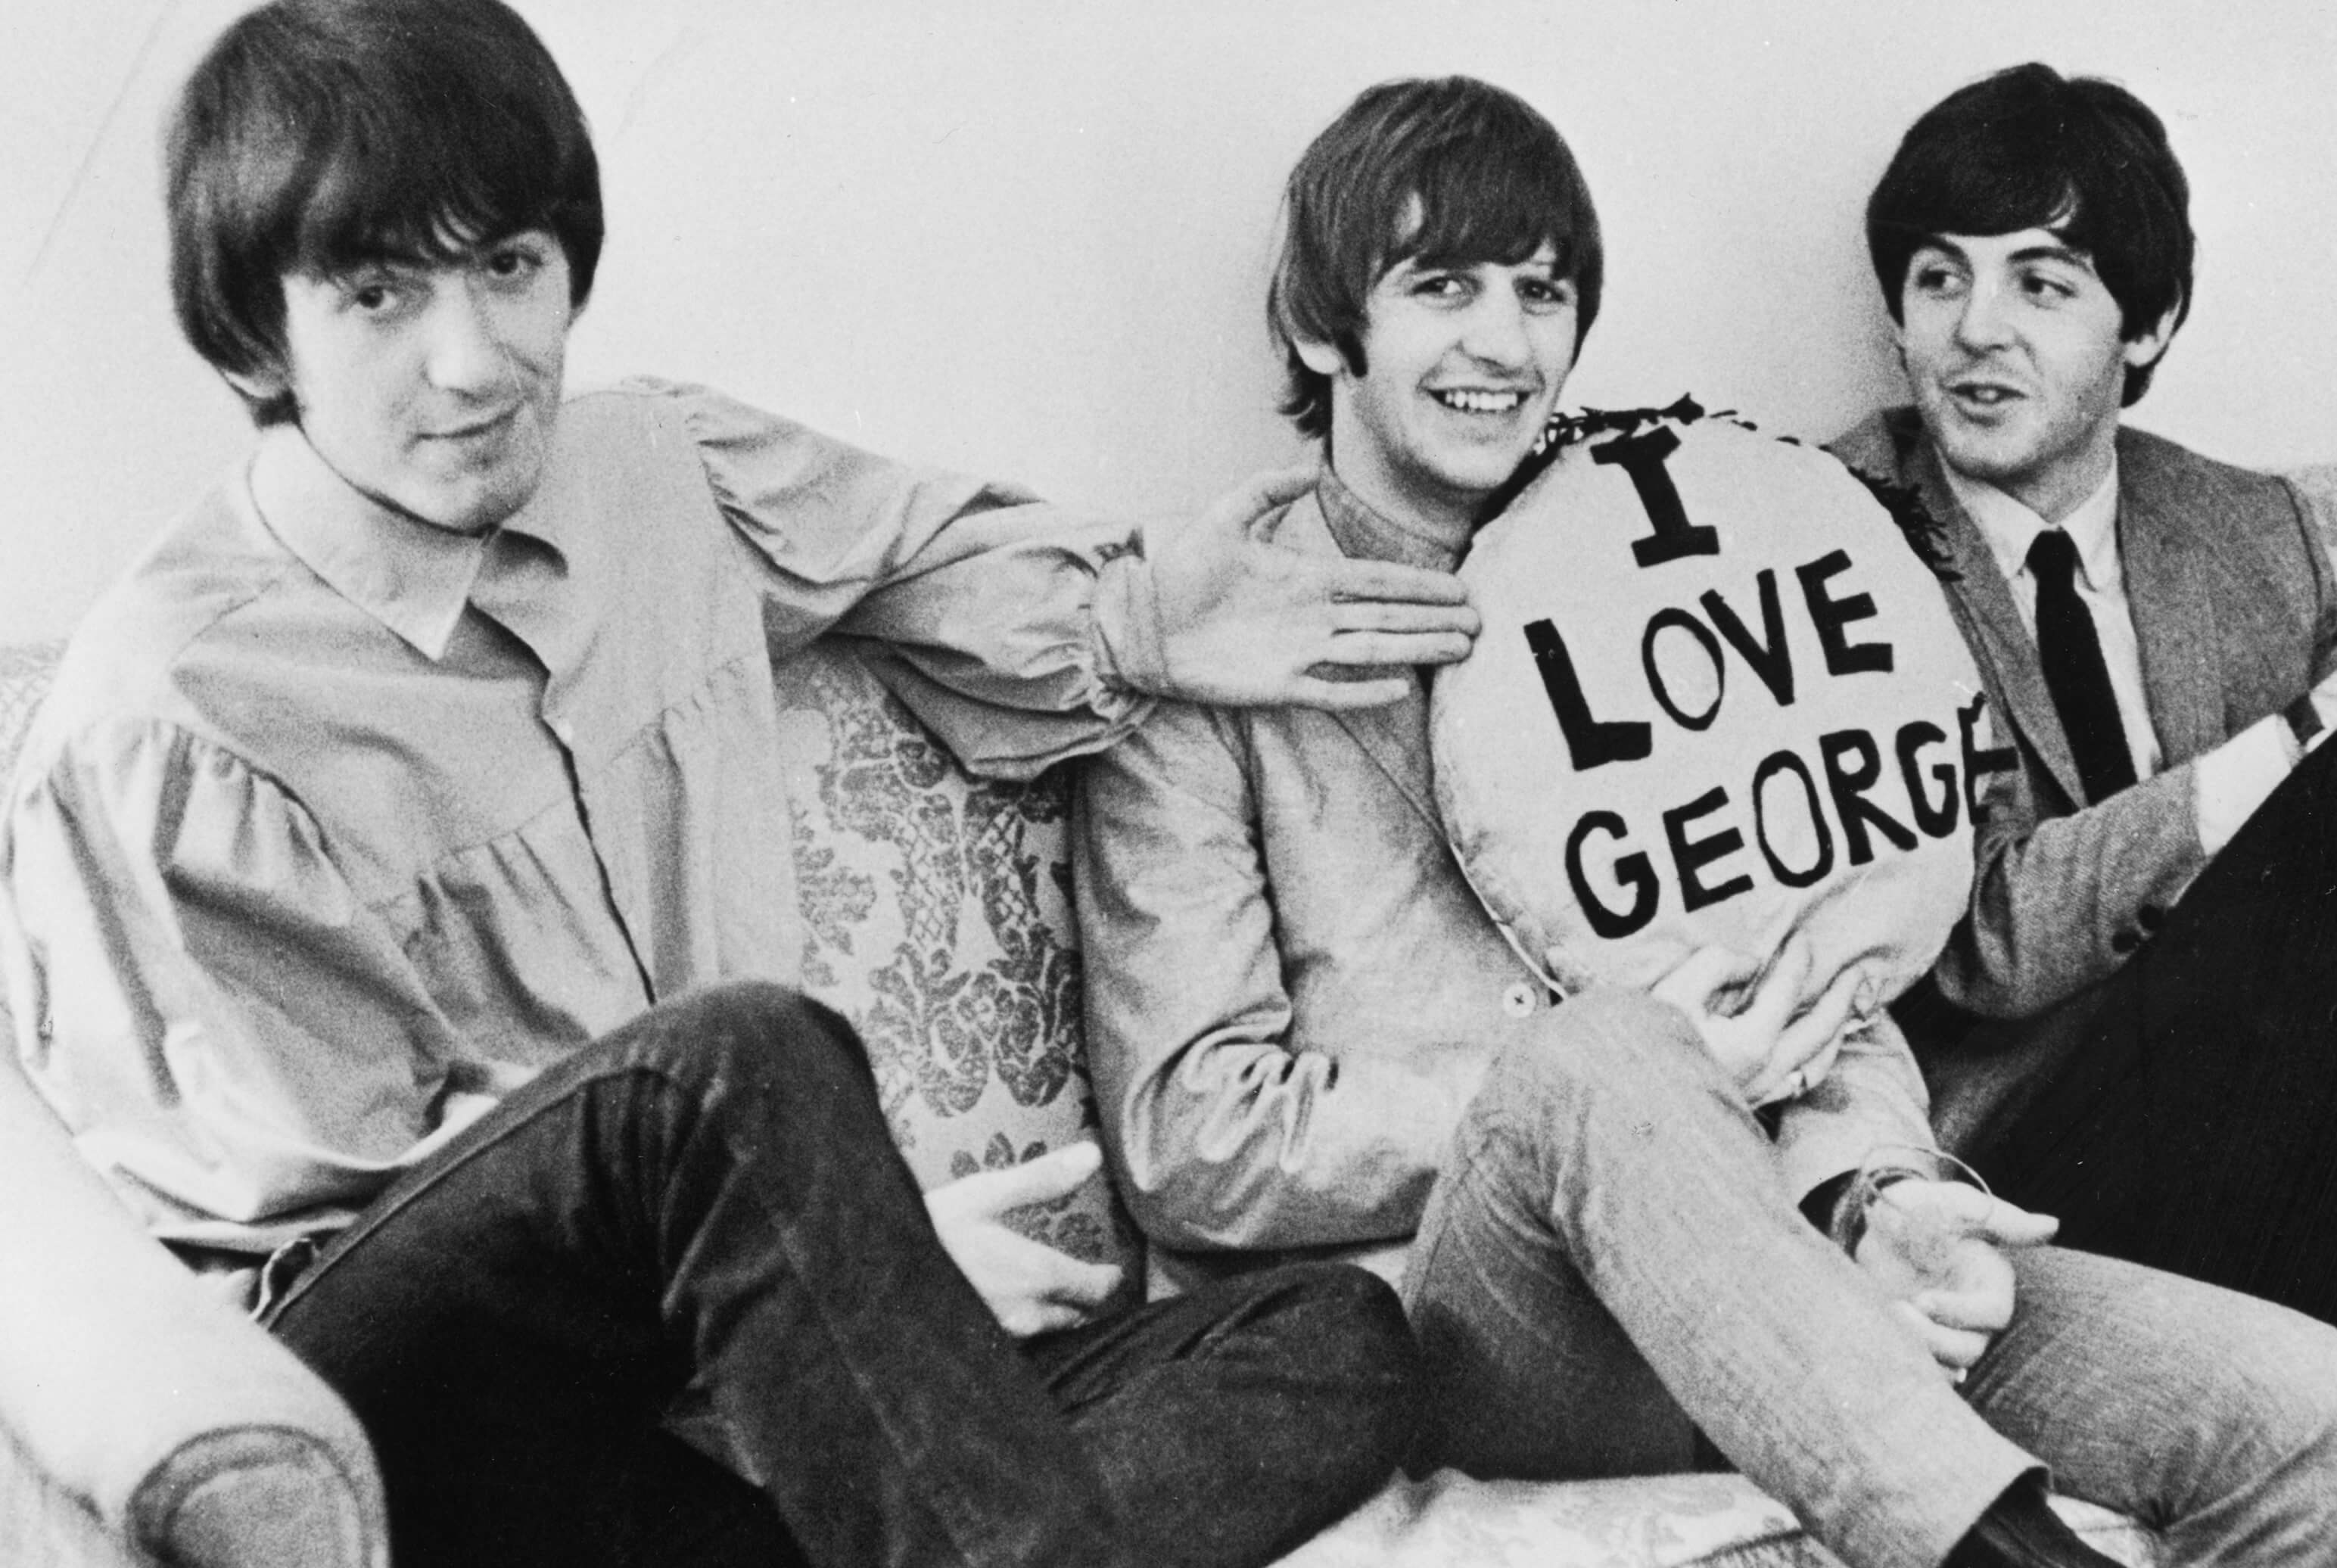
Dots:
{"x": 141, "y": 1422}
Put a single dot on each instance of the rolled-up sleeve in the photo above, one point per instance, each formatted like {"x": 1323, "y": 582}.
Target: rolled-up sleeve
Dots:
{"x": 1225, "y": 1134}
{"x": 984, "y": 607}
{"x": 230, "y": 1034}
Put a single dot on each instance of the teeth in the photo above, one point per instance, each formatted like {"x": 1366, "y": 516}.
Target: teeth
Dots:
{"x": 1471, "y": 402}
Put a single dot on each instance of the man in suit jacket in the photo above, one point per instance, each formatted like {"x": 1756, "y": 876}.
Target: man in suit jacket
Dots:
{"x": 2132, "y": 1026}
{"x": 1308, "y": 1036}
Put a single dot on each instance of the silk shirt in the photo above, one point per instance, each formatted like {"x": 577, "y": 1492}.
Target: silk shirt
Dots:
{"x": 336, "y": 828}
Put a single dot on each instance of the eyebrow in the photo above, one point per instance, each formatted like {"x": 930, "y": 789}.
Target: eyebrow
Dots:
{"x": 2068, "y": 254}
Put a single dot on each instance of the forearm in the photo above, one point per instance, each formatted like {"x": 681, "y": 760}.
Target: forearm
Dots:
{"x": 2058, "y": 904}
{"x": 1256, "y": 1146}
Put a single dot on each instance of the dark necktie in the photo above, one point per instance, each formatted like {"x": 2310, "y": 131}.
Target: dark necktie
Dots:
{"x": 2074, "y": 672}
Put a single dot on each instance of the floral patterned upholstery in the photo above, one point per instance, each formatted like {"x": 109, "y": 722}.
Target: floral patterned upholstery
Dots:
{"x": 939, "y": 923}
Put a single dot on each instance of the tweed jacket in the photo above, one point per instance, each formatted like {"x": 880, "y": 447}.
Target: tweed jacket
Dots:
{"x": 2235, "y": 612}
{"x": 1292, "y": 995}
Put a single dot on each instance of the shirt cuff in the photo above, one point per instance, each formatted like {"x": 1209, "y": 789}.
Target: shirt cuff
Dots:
{"x": 1130, "y": 641}
{"x": 2235, "y": 779}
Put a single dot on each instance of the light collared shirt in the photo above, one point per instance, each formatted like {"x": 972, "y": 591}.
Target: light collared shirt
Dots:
{"x": 336, "y": 828}
{"x": 2010, "y": 528}
{"x": 2233, "y": 779}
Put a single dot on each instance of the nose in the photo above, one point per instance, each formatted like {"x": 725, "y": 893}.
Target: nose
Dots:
{"x": 468, "y": 354}
{"x": 1495, "y": 330}
{"x": 1983, "y": 322}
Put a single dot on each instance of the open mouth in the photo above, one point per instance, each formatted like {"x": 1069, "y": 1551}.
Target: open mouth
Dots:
{"x": 1470, "y": 400}
{"x": 1982, "y": 393}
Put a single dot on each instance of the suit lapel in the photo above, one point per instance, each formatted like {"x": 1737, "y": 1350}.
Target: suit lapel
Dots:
{"x": 1395, "y": 737}
{"x": 2167, "y": 590}
{"x": 1981, "y": 598}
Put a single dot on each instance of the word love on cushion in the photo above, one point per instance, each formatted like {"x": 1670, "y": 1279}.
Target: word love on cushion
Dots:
{"x": 1717, "y": 700}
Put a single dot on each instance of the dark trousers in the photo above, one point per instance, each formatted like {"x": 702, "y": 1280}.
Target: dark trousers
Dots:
{"x": 2193, "y": 1125}
{"x": 679, "y": 1301}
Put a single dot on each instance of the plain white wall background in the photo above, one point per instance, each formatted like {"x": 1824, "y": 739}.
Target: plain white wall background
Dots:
{"x": 1030, "y": 238}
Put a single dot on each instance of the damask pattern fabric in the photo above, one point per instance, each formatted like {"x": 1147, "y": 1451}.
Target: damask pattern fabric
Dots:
{"x": 937, "y": 916}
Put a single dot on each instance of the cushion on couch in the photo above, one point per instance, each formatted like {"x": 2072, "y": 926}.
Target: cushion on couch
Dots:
{"x": 939, "y": 923}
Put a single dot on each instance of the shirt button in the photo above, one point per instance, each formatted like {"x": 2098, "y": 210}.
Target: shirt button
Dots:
{"x": 2150, "y": 917}
{"x": 1518, "y": 1001}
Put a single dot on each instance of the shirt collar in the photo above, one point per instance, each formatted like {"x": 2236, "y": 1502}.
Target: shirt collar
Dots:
{"x": 411, "y": 577}
{"x": 1364, "y": 533}
{"x": 2010, "y": 527}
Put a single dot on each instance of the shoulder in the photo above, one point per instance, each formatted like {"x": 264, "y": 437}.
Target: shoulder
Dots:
{"x": 2161, "y": 471}
{"x": 1882, "y": 445}
{"x": 185, "y": 593}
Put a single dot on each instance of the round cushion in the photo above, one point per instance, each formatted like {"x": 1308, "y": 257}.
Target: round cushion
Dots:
{"x": 1717, "y": 700}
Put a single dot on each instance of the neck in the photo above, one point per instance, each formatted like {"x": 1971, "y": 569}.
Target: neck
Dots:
{"x": 1445, "y": 521}
{"x": 2062, "y": 488}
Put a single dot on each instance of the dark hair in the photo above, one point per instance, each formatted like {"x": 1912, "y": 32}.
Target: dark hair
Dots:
{"x": 1493, "y": 179}
{"x": 320, "y": 135}
{"x": 2028, "y": 148}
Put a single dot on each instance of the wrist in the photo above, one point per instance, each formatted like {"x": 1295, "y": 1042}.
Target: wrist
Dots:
{"x": 1130, "y": 640}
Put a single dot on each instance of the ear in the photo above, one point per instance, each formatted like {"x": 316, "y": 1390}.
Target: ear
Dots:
{"x": 1322, "y": 358}
{"x": 257, "y": 385}
{"x": 2146, "y": 348}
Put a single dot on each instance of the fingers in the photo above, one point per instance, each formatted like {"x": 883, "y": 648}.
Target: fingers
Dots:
{"x": 1982, "y": 1310}
{"x": 1255, "y": 498}
{"x": 1363, "y": 580}
{"x": 1351, "y": 615}
{"x": 1338, "y": 696}
{"x": 2009, "y": 1225}
{"x": 1957, "y": 1350}
{"x": 1397, "y": 648}
{"x": 1040, "y": 1290}
{"x": 1696, "y": 979}
{"x": 1780, "y": 989}
{"x": 1052, "y": 1175}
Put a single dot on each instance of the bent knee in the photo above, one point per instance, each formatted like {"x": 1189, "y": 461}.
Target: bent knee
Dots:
{"x": 1603, "y": 1036}
{"x": 1347, "y": 1325}
{"x": 756, "y": 1029}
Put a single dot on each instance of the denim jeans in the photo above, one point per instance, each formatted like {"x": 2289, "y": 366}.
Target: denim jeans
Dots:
{"x": 679, "y": 1300}
{"x": 1609, "y": 1263}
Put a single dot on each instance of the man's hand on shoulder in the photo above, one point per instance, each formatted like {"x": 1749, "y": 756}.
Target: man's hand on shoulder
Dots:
{"x": 1028, "y": 1285}
{"x": 1237, "y": 619}
{"x": 1936, "y": 1248}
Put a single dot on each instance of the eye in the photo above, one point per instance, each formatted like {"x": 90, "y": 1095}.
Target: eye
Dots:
{"x": 1545, "y": 294}
{"x": 2047, "y": 287}
{"x": 515, "y": 261}
{"x": 1936, "y": 279}
{"x": 1439, "y": 286}
{"x": 372, "y": 294}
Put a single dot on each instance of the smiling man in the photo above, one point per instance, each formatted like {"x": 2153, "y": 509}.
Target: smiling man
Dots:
{"x": 2131, "y": 1025}
{"x": 1310, "y": 1039}
{"x": 398, "y": 898}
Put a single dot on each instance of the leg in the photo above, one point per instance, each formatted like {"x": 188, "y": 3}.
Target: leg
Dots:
{"x": 699, "y": 1224}
{"x": 1233, "y": 1423}
{"x": 2190, "y": 1128}
{"x": 2208, "y": 1414}
{"x": 1609, "y": 1256}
